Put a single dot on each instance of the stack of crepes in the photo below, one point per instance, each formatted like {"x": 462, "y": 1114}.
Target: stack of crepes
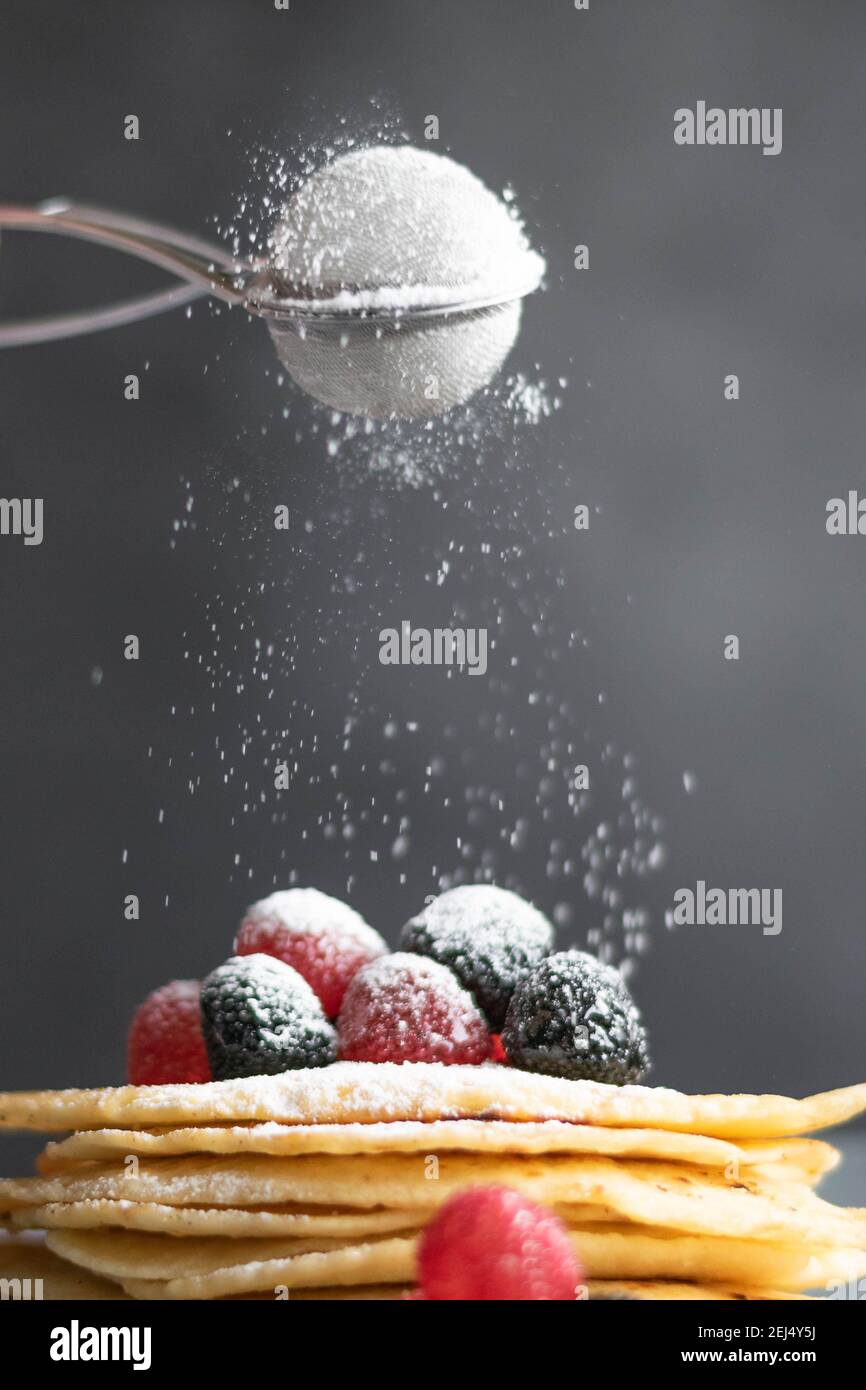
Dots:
{"x": 316, "y": 1184}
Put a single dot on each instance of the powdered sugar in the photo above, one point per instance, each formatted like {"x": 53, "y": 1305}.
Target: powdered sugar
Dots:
{"x": 282, "y": 666}
{"x": 394, "y": 227}
{"x": 474, "y": 908}
{"x": 312, "y": 913}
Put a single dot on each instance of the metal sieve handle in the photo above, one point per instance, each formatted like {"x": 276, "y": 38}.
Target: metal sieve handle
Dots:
{"x": 204, "y": 268}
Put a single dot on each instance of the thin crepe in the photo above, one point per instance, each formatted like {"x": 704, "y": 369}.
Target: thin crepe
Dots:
{"x": 367, "y": 1092}
{"x": 681, "y": 1196}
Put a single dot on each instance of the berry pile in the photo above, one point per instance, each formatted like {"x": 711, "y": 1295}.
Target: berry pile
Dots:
{"x": 474, "y": 981}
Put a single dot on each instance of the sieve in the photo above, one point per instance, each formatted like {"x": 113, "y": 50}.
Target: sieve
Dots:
{"x": 354, "y": 313}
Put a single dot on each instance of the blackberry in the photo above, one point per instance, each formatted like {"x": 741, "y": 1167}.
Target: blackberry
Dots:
{"x": 488, "y": 936}
{"x": 260, "y": 1017}
{"x": 574, "y": 1017}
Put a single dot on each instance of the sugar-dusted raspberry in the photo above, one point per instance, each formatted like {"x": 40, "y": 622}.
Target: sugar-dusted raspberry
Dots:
{"x": 493, "y": 1244}
{"x": 488, "y": 936}
{"x": 260, "y": 1017}
{"x": 165, "y": 1038}
{"x": 325, "y": 940}
{"x": 403, "y": 1008}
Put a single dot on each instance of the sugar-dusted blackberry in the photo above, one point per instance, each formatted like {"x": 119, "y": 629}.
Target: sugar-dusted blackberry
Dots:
{"x": 488, "y": 936}
{"x": 260, "y": 1017}
{"x": 573, "y": 1016}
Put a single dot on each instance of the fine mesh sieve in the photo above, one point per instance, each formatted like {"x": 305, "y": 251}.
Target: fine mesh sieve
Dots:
{"x": 393, "y": 285}
{"x": 407, "y": 370}
{"x": 405, "y": 240}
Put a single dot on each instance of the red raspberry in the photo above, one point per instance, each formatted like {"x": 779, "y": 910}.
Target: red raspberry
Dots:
{"x": 492, "y": 1244}
{"x": 325, "y": 940}
{"x": 497, "y": 1051}
{"x": 165, "y": 1038}
{"x": 404, "y": 1008}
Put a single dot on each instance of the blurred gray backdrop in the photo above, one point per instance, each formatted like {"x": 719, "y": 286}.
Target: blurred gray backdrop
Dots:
{"x": 708, "y": 516}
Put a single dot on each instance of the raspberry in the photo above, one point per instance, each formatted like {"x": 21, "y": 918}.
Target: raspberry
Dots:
{"x": 492, "y": 1244}
{"x": 260, "y": 1017}
{"x": 325, "y": 940}
{"x": 573, "y": 1016}
{"x": 488, "y": 936}
{"x": 165, "y": 1040}
{"x": 402, "y": 1008}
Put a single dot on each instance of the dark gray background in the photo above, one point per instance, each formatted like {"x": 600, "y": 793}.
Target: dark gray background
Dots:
{"x": 711, "y": 516}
